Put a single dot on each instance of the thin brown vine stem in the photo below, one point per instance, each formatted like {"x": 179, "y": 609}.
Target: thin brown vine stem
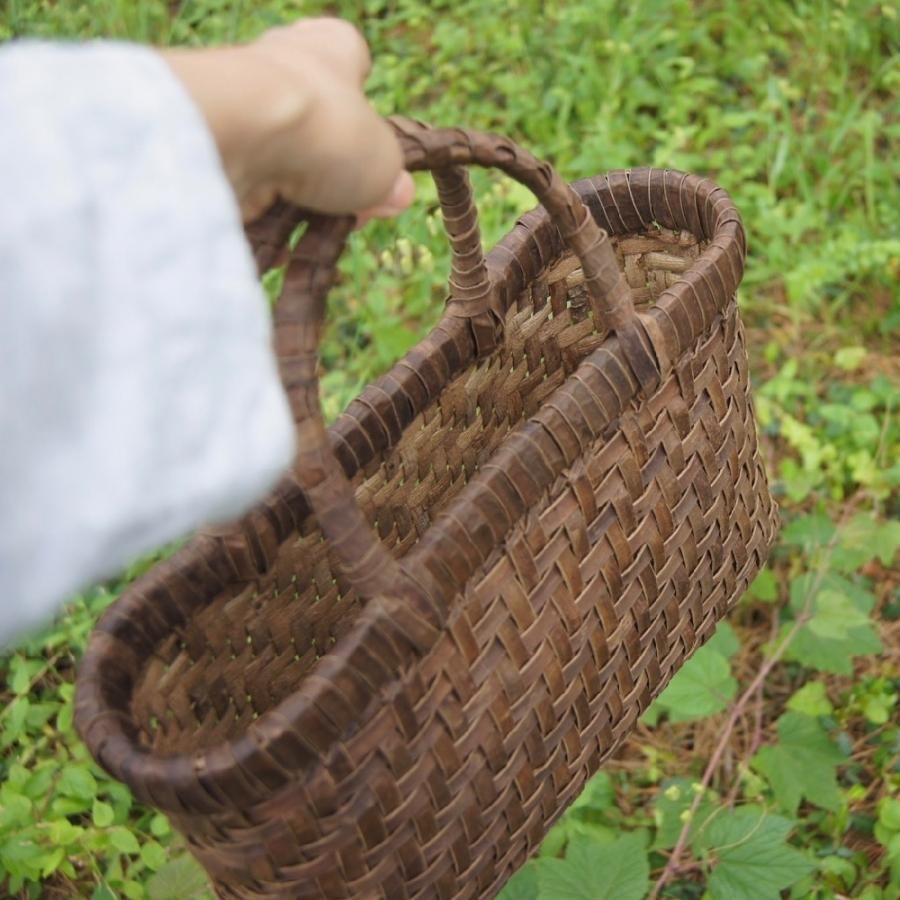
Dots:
{"x": 758, "y": 714}
{"x": 672, "y": 865}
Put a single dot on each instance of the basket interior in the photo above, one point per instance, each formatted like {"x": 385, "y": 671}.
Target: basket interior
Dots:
{"x": 250, "y": 648}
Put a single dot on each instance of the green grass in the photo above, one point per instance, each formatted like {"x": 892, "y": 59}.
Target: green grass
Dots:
{"x": 793, "y": 107}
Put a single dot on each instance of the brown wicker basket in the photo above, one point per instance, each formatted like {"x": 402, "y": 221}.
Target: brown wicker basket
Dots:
{"x": 392, "y": 676}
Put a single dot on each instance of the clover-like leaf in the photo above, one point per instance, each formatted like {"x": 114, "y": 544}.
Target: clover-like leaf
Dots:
{"x": 591, "y": 870}
{"x": 802, "y": 764}
{"x": 703, "y": 686}
{"x": 750, "y": 856}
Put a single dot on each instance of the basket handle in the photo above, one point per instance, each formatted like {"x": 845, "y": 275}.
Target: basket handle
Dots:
{"x": 367, "y": 564}
{"x": 470, "y": 290}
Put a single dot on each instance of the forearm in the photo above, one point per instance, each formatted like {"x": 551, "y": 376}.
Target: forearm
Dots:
{"x": 139, "y": 396}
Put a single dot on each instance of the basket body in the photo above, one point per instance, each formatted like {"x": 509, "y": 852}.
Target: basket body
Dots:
{"x": 435, "y": 763}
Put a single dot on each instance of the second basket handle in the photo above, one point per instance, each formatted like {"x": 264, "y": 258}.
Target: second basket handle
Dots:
{"x": 369, "y": 567}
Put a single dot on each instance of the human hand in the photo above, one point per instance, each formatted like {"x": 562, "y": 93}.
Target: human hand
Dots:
{"x": 290, "y": 119}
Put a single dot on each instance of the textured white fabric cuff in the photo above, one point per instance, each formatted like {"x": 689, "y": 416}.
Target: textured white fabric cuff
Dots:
{"x": 139, "y": 395}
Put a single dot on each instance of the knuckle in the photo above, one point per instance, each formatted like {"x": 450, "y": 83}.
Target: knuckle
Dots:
{"x": 342, "y": 33}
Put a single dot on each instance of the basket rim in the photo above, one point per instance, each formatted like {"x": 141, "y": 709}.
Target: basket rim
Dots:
{"x": 295, "y": 735}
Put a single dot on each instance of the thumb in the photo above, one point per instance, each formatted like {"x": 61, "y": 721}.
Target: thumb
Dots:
{"x": 399, "y": 198}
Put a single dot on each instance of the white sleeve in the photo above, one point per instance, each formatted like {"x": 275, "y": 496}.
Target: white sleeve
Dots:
{"x": 139, "y": 394}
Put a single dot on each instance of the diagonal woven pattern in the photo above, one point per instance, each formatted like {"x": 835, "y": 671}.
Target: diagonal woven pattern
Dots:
{"x": 568, "y": 526}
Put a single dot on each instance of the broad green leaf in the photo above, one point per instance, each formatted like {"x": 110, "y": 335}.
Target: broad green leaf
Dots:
{"x": 52, "y": 861}
{"x": 831, "y": 655}
{"x": 68, "y": 869}
{"x": 887, "y": 833}
{"x": 724, "y": 641}
{"x": 63, "y": 832}
{"x": 591, "y": 871}
{"x": 159, "y": 826}
{"x": 522, "y": 886}
{"x": 123, "y": 840}
{"x": 811, "y": 700}
{"x": 841, "y": 868}
{"x": 391, "y": 337}
{"x": 65, "y": 717}
{"x": 133, "y": 890}
{"x": 120, "y": 798}
{"x": 806, "y": 588}
{"x": 15, "y": 809}
{"x": 864, "y": 538}
{"x": 824, "y": 643}
{"x": 23, "y": 855}
{"x": 179, "y": 879}
{"x": 751, "y": 859}
{"x": 703, "y": 686}
{"x": 77, "y": 782}
{"x": 598, "y": 795}
{"x": 555, "y": 839}
{"x": 20, "y": 849}
{"x": 39, "y": 714}
{"x": 21, "y": 671}
{"x": 764, "y": 587}
{"x": 102, "y": 892}
{"x": 802, "y": 764}
{"x": 878, "y": 706}
{"x": 102, "y": 814}
{"x": 835, "y": 615}
{"x": 798, "y": 483}
{"x": 850, "y": 358}
{"x": 889, "y": 813}
{"x": 808, "y": 532}
{"x": 154, "y": 855}
{"x": 16, "y": 777}
{"x": 39, "y": 782}
{"x": 571, "y": 825}
{"x": 14, "y": 720}
{"x": 114, "y": 872}
{"x": 69, "y": 806}
{"x": 893, "y": 858}
{"x": 577, "y": 827}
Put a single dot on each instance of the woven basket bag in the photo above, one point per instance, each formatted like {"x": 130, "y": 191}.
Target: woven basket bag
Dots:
{"x": 392, "y": 676}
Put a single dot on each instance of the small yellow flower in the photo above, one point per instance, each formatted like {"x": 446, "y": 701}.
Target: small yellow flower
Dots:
{"x": 673, "y": 792}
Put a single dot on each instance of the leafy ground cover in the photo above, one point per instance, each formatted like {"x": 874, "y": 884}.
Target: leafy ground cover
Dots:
{"x": 771, "y": 765}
